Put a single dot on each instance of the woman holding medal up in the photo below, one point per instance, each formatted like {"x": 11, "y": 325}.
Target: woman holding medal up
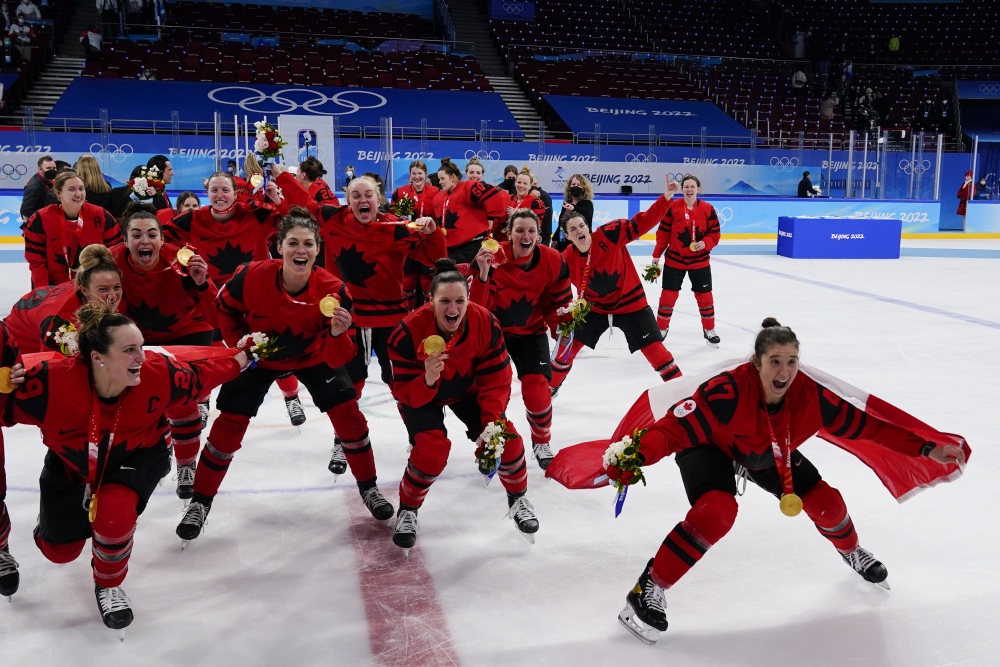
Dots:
{"x": 465, "y": 209}
{"x": 304, "y": 312}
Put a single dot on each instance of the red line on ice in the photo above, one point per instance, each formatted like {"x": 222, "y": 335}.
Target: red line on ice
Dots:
{"x": 406, "y": 624}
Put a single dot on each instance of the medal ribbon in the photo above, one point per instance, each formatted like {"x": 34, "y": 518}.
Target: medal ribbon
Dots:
{"x": 433, "y": 331}
{"x": 782, "y": 457}
{"x": 94, "y": 444}
{"x": 65, "y": 244}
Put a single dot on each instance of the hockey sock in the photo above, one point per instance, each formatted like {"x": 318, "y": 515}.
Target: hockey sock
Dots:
{"x": 666, "y": 308}
{"x": 562, "y": 365}
{"x": 706, "y": 306}
{"x": 538, "y": 406}
{"x": 113, "y": 530}
{"x": 223, "y": 442}
{"x": 351, "y": 427}
{"x": 410, "y": 283}
{"x": 4, "y": 524}
{"x": 826, "y": 507}
{"x": 359, "y": 387}
{"x": 513, "y": 470}
{"x": 427, "y": 459}
{"x": 185, "y": 432}
{"x": 661, "y": 360}
{"x": 59, "y": 553}
{"x": 289, "y": 386}
{"x": 705, "y": 524}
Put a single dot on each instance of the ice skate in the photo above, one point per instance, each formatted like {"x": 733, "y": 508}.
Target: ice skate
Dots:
{"x": 869, "y": 567}
{"x": 115, "y": 609}
{"x": 10, "y": 579}
{"x": 663, "y": 333}
{"x": 185, "y": 480}
{"x": 711, "y": 338}
{"x": 376, "y": 503}
{"x": 194, "y": 519}
{"x": 542, "y": 453}
{"x": 203, "y": 408}
{"x": 295, "y": 412}
{"x": 404, "y": 532}
{"x": 645, "y": 612}
{"x": 338, "y": 461}
{"x": 554, "y": 391}
{"x": 522, "y": 511}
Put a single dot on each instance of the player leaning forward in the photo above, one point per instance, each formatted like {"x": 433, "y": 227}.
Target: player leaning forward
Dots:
{"x": 758, "y": 414}
{"x": 451, "y": 352}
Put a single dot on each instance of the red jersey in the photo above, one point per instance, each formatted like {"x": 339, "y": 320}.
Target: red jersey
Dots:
{"x": 612, "y": 283}
{"x": 165, "y": 215}
{"x": 162, "y": 303}
{"x": 477, "y": 362}
{"x": 466, "y": 212}
{"x": 524, "y": 296}
{"x": 729, "y": 411}
{"x": 322, "y": 194}
{"x": 225, "y": 245}
{"x": 57, "y": 397}
{"x": 31, "y": 317}
{"x": 255, "y": 300}
{"x": 423, "y": 201}
{"x": 533, "y": 203}
{"x": 680, "y": 228}
{"x": 52, "y": 244}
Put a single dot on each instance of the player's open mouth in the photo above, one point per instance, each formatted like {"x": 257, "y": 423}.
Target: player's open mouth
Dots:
{"x": 582, "y": 237}
{"x": 451, "y": 319}
{"x": 779, "y": 384}
{"x": 526, "y": 245}
{"x": 364, "y": 209}
{"x": 134, "y": 370}
{"x": 145, "y": 255}
{"x": 298, "y": 261}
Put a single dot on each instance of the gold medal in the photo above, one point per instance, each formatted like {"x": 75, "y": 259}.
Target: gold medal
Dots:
{"x": 414, "y": 225}
{"x": 791, "y": 504}
{"x": 491, "y": 245}
{"x": 328, "y": 304}
{"x": 92, "y": 512}
{"x": 434, "y": 344}
{"x": 256, "y": 180}
{"x": 6, "y": 386}
{"x": 692, "y": 246}
{"x": 184, "y": 256}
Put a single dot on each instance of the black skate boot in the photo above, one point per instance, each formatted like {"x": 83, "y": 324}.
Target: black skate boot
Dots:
{"x": 338, "y": 461}
{"x": 542, "y": 453}
{"x": 554, "y": 391}
{"x": 185, "y": 480}
{"x": 404, "y": 532}
{"x": 295, "y": 412}
{"x": 9, "y": 577}
{"x": 645, "y": 612}
{"x": 711, "y": 338}
{"x": 194, "y": 519}
{"x": 376, "y": 503}
{"x": 203, "y": 409}
{"x": 522, "y": 511}
{"x": 114, "y": 607}
{"x": 870, "y": 568}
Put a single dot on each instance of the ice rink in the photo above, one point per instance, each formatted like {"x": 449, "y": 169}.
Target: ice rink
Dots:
{"x": 291, "y": 569}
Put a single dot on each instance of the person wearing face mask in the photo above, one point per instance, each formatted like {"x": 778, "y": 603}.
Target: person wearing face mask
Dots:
{"x": 509, "y": 176}
{"x": 417, "y": 276}
{"x": 55, "y": 235}
{"x": 472, "y": 376}
{"x": 281, "y": 298}
{"x": 577, "y": 199}
{"x": 982, "y": 190}
{"x": 522, "y": 199}
{"x": 348, "y": 174}
{"x": 748, "y": 422}
{"x": 102, "y": 414}
{"x": 22, "y": 34}
{"x": 38, "y": 187}
{"x": 465, "y": 209}
{"x": 11, "y": 59}
{"x": 524, "y": 285}
{"x": 99, "y": 280}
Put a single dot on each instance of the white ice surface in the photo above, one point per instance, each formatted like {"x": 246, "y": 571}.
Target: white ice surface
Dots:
{"x": 274, "y": 580}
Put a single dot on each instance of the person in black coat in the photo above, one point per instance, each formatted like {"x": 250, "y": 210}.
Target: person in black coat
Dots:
{"x": 546, "y": 221}
{"x": 578, "y": 198}
{"x": 121, "y": 196}
{"x": 806, "y": 188}
{"x": 38, "y": 186}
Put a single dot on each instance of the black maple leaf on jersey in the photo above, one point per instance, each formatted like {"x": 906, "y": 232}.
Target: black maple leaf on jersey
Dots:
{"x": 684, "y": 236}
{"x": 455, "y": 387}
{"x": 77, "y": 457}
{"x": 353, "y": 266}
{"x": 149, "y": 318}
{"x": 516, "y": 314}
{"x": 229, "y": 257}
{"x": 753, "y": 460}
{"x": 33, "y": 299}
{"x": 451, "y": 219}
{"x": 292, "y": 345}
{"x": 604, "y": 283}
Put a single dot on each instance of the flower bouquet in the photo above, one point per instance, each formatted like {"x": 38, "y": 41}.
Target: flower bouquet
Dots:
{"x": 491, "y": 443}
{"x": 146, "y": 185}
{"x": 258, "y": 346}
{"x": 651, "y": 273}
{"x": 63, "y": 334}
{"x": 621, "y": 461}
{"x": 402, "y": 208}
{"x": 574, "y": 315}
{"x": 267, "y": 145}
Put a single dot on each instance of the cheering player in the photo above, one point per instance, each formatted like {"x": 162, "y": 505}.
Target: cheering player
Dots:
{"x": 472, "y": 376}
{"x": 687, "y": 233}
{"x": 522, "y": 198}
{"x": 520, "y": 285}
{"x": 415, "y": 275}
{"x": 306, "y": 312}
{"x": 465, "y": 210}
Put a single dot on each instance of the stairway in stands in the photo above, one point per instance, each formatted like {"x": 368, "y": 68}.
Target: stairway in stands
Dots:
{"x": 472, "y": 26}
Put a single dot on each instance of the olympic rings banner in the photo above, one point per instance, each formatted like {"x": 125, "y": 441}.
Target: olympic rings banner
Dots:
{"x": 508, "y": 10}
{"x": 124, "y": 100}
{"x": 979, "y": 90}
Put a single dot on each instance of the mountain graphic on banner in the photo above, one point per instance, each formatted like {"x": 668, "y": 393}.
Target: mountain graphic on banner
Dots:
{"x": 742, "y": 188}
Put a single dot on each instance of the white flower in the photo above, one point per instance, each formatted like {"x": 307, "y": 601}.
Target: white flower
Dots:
{"x": 260, "y": 144}
{"x": 259, "y": 124}
{"x": 615, "y": 451}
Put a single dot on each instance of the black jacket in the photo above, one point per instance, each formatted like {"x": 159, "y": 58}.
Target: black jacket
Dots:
{"x": 35, "y": 191}
{"x": 119, "y": 198}
{"x": 547, "y": 218}
{"x": 806, "y": 188}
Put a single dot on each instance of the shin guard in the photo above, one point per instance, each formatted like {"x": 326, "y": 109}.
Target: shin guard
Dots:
{"x": 706, "y": 307}
{"x": 185, "y": 432}
{"x": 661, "y": 360}
{"x": 562, "y": 365}
{"x": 4, "y": 524}
{"x": 666, "y": 308}
{"x": 351, "y": 427}
{"x": 705, "y": 524}
{"x": 826, "y": 507}
{"x": 427, "y": 459}
{"x": 289, "y": 386}
{"x": 538, "y": 406}
{"x": 513, "y": 469}
{"x": 223, "y": 442}
{"x": 113, "y": 530}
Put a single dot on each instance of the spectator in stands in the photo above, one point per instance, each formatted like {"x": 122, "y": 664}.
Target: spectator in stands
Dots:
{"x": 147, "y": 75}
{"x": 578, "y": 198}
{"x": 134, "y": 11}
{"x": 12, "y": 59}
{"x": 925, "y": 114}
{"x": 29, "y": 10}
{"x": 882, "y": 107}
{"x": 546, "y": 221}
{"x": 5, "y": 13}
{"x": 806, "y": 189}
{"x": 799, "y": 81}
{"x": 509, "y": 177}
{"x": 232, "y": 168}
{"x": 22, "y": 34}
{"x": 348, "y": 175}
{"x": 92, "y": 42}
{"x": 799, "y": 45}
{"x": 109, "y": 16}
{"x": 98, "y": 189}
{"x": 946, "y": 116}
{"x": 829, "y": 102}
{"x": 982, "y": 192}
{"x": 38, "y": 186}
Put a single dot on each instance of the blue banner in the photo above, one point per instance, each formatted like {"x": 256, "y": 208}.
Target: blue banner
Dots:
{"x": 155, "y": 100}
{"x": 8, "y": 80}
{"x": 507, "y": 10}
{"x": 979, "y": 90}
{"x": 630, "y": 116}
{"x": 423, "y": 8}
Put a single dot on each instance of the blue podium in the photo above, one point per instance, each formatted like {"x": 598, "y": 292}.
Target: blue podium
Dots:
{"x": 839, "y": 238}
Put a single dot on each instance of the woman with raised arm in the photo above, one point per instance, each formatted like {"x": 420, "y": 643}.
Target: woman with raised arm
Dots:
{"x": 417, "y": 276}
{"x": 521, "y": 199}
{"x": 305, "y": 312}
{"x": 465, "y": 209}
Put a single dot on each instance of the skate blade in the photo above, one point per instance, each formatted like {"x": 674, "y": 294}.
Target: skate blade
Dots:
{"x": 406, "y": 554}
{"x": 184, "y": 544}
{"x": 884, "y": 584}
{"x": 120, "y": 634}
{"x": 528, "y": 536}
{"x": 641, "y": 632}
{"x": 336, "y": 476}
{"x": 715, "y": 345}
{"x": 10, "y": 598}
{"x": 488, "y": 479}
{"x": 298, "y": 428}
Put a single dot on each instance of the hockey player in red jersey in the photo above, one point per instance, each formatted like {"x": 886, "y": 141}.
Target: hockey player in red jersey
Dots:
{"x": 102, "y": 417}
{"x": 604, "y": 275}
{"x": 172, "y": 303}
{"x": 687, "y": 234}
{"x": 56, "y": 234}
{"x": 757, "y": 415}
{"x": 99, "y": 279}
{"x": 521, "y": 198}
{"x": 11, "y": 376}
{"x": 465, "y": 209}
{"x": 284, "y": 300}
{"x": 522, "y": 285}
{"x": 416, "y": 276}
{"x": 310, "y": 175}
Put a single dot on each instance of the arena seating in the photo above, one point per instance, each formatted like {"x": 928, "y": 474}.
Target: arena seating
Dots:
{"x": 607, "y": 77}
